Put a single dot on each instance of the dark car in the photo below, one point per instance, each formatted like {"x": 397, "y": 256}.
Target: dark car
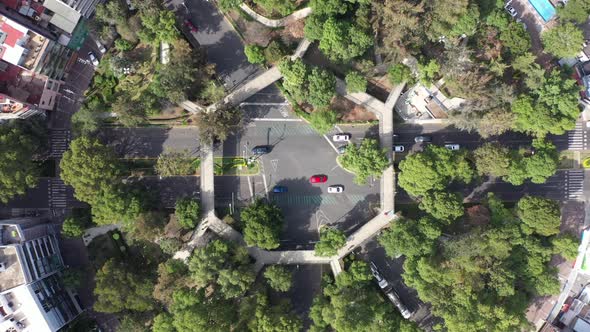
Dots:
{"x": 421, "y": 139}
{"x": 342, "y": 149}
{"x": 318, "y": 179}
{"x": 261, "y": 149}
{"x": 280, "y": 189}
{"x": 190, "y": 25}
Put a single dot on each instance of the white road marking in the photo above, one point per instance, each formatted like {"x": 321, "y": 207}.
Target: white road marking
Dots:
{"x": 330, "y": 142}
{"x": 250, "y": 187}
{"x": 264, "y": 178}
{"x": 275, "y": 120}
{"x": 333, "y": 168}
{"x": 320, "y": 218}
{"x": 338, "y": 128}
{"x": 275, "y": 164}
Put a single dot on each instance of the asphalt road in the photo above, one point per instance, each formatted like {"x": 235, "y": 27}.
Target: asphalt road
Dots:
{"x": 150, "y": 142}
{"x": 224, "y": 46}
{"x": 298, "y": 152}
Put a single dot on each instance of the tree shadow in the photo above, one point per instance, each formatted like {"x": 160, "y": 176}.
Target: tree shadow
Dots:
{"x": 299, "y": 204}
{"x": 128, "y": 144}
{"x": 359, "y": 215}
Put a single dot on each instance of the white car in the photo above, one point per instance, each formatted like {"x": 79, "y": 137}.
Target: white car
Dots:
{"x": 335, "y": 189}
{"x": 341, "y": 138}
{"x": 511, "y": 10}
{"x": 398, "y": 148}
{"x": 382, "y": 282}
{"x": 93, "y": 59}
{"x": 394, "y": 298}
{"x": 100, "y": 47}
{"x": 452, "y": 147}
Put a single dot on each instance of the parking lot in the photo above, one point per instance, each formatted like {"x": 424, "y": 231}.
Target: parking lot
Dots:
{"x": 298, "y": 152}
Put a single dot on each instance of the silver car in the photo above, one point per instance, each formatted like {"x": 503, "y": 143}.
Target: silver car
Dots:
{"x": 382, "y": 282}
{"x": 452, "y": 147}
{"x": 394, "y": 298}
{"x": 93, "y": 59}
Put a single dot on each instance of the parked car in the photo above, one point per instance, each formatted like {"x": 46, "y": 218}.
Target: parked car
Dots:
{"x": 382, "y": 282}
{"x": 335, "y": 189}
{"x": 280, "y": 189}
{"x": 421, "y": 139}
{"x": 100, "y": 47}
{"x": 190, "y": 25}
{"x": 318, "y": 179}
{"x": 452, "y": 146}
{"x": 341, "y": 138}
{"x": 342, "y": 149}
{"x": 394, "y": 298}
{"x": 398, "y": 148}
{"x": 93, "y": 59}
{"x": 260, "y": 149}
{"x": 511, "y": 10}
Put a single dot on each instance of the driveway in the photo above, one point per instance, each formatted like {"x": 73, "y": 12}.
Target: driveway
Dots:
{"x": 224, "y": 46}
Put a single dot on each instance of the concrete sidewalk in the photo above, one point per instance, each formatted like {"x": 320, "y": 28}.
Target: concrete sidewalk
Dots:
{"x": 281, "y": 22}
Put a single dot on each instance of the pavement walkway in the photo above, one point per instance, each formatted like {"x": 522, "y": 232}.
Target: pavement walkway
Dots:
{"x": 281, "y": 22}
{"x": 93, "y": 232}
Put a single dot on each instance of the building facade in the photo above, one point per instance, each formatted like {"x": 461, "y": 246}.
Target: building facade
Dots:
{"x": 32, "y": 296}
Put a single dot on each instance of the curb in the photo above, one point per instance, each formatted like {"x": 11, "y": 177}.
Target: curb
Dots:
{"x": 345, "y": 169}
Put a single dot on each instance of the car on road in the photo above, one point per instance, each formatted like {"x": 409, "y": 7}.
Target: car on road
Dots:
{"x": 511, "y": 10}
{"x": 93, "y": 59}
{"x": 452, "y": 147}
{"x": 382, "y": 282}
{"x": 422, "y": 139}
{"x": 341, "y": 138}
{"x": 279, "y": 189}
{"x": 260, "y": 149}
{"x": 335, "y": 189}
{"x": 190, "y": 25}
{"x": 100, "y": 47}
{"x": 394, "y": 298}
{"x": 398, "y": 148}
{"x": 342, "y": 149}
{"x": 318, "y": 178}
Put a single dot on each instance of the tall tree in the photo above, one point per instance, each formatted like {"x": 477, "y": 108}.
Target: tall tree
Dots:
{"x": 564, "y": 41}
{"x": 188, "y": 212}
{"x": 492, "y": 159}
{"x": 263, "y": 223}
{"x": 366, "y": 160}
{"x": 539, "y": 215}
{"x": 218, "y": 125}
{"x": 322, "y": 87}
{"x": 331, "y": 240}
{"x": 442, "y": 205}
{"x": 279, "y": 278}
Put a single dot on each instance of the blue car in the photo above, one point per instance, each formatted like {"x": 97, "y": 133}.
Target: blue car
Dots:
{"x": 279, "y": 189}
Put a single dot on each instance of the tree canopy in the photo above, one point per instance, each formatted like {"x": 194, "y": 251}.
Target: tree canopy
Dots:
{"x": 279, "y": 278}
{"x": 308, "y": 84}
{"x": 188, "y": 212}
{"x": 355, "y": 82}
{"x": 323, "y": 120}
{"x": 331, "y": 240}
{"x": 539, "y": 215}
{"x": 263, "y": 223}
{"x": 366, "y": 160}
{"x": 442, "y": 205}
{"x": 563, "y": 41}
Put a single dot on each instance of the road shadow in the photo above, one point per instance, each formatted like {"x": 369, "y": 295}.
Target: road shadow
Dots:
{"x": 126, "y": 144}
{"x": 359, "y": 215}
{"x": 299, "y": 204}
{"x": 167, "y": 190}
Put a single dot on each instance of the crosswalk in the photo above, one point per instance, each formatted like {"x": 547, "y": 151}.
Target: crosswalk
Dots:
{"x": 288, "y": 200}
{"x": 574, "y": 184}
{"x": 577, "y": 138}
{"x": 59, "y": 141}
{"x": 57, "y": 194}
{"x": 280, "y": 129}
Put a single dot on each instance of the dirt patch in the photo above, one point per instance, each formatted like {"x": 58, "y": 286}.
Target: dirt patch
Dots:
{"x": 253, "y": 32}
{"x": 351, "y": 112}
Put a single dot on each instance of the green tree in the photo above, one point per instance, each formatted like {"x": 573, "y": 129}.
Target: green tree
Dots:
{"x": 89, "y": 166}
{"x": 322, "y": 87}
{"x": 279, "y": 278}
{"x": 434, "y": 169}
{"x": 173, "y": 163}
{"x": 443, "y": 16}
{"x": 279, "y": 318}
{"x": 111, "y": 12}
{"x": 72, "y": 278}
{"x": 576, "y": 11}
{"x": 543, "y": 164}
{"x": 188, "y": 212}
{"x": 163, "y": 322}
{"x": 328, "y": 7}
{"x": 295, "y": 77}
{"x": 235, "y": 282}
{"x": 73, "y": 227}
{"x": 118, "y": 288}
{"x": 428, "y": 71}
{"x": 206, "y": 262}
{"x": 218, "y": 125}
{"x": 399, "y": 73}
{"x": 410, "y": 238}
{"x": 123, "y": 45}
{"x": 492, "y": 159}
{"x": 16, "y": 154}
{"x": 442, "y": 205}
{"x": 85, "y": 121}
{"x": 355, "y": 82}
{"x": 212, "y": 92}
{"x": 275, "y": 51}
{"x": 262, "y": 224}
{"x": 563, "y": 41}
{"x": 314, "y": 27}
{"x": 159, "y": 26}
{"x": 342, "y": 40}
{"x": 254, "y": 53}
{"x": 170, "y": 245}
{"x": 194, "y": 311}
{"x": 323, "y": 120}
{"x": 366, "y": 160}
{"x": 539, "y": 215}
{"x": 331, "y": 240}
{"x": 226, "y": 5}
{"x": 467, "y": 23}
{"x": 283, "y": 7}
{"x": 566, "y": 245}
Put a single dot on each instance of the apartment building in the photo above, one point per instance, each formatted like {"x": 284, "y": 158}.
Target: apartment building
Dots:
{"x": 32, "y": 295}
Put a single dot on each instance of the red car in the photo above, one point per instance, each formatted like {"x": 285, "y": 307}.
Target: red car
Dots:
{"x": 318, "y": 179}
{"x": 190, "y": 25}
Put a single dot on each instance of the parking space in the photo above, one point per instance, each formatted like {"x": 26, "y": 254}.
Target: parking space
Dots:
{"x": 298, "y": 152}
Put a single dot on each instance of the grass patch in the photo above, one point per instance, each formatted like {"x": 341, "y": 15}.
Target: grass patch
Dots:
{"x": 566, "y": 160}
{"x": 236, "y": 166}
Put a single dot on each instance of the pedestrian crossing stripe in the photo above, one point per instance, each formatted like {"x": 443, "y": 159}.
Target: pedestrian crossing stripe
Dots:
{"x": 278, "y": 129}
{"x": 288, "y": 200}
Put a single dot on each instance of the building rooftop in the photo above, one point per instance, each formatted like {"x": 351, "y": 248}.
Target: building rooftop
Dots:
{"x": 20, "y": 46}
{"x": 64, "y": 17}
{"x": 11, "y": 273}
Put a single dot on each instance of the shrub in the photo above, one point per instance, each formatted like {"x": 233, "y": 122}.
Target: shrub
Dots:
{"x": 254, "y": 53}
{"x": 275, "y": 51}
{"x": 355, "y": 82}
